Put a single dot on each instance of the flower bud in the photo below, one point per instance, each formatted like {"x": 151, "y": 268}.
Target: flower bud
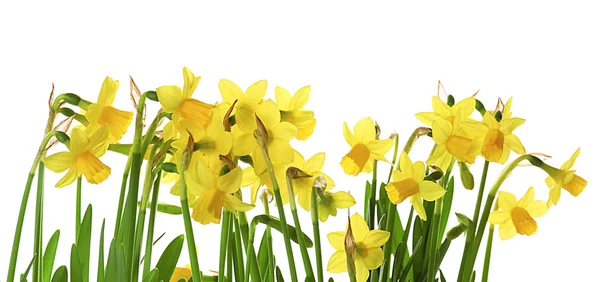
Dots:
{"x": 434, "y": 176}
{"x": 228, "y": 120}
{"x": 456, "y": 231}
{"x": 169, "y": 167}
{"x": 498, "y": 116}
{"x": 480, "y": 107}
{"x": 151, "y": 95}
{"x": 464, "y": 220}
{"x": 186, "y": 155}
{"x": 350, "y": 248}
{"x": 450, "y": 100}
{"x": 168, "y": 209}
{"x": 466, "y": 177}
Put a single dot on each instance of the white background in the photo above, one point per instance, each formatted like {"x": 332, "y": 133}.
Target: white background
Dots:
{"x": 375, "y": 60}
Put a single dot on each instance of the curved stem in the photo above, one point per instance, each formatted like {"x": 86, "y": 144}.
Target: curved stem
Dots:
{"x": 314, "y": 210}
{"x": 39, "y": 219}
{"x": 303, "y": 250}
{"x": 151, "y": 221}
{"x": 189, "y": 232}
{"x": 122, "y": 194}
{"x": 78, "y": 208}
{"x": 224, "y": 244}
{"x": 488, "y": 255}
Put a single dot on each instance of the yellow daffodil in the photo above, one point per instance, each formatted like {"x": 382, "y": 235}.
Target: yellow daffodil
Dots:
{"x": 181, "y": 273}
{"x": 365, "y": 147}
{"x": 441, "y": 110}
{"x": 247, "y": 102}
{"x": 291, "y": 110}
{"x": 103, "y": 112}
{"x": 409, "y": 182}
{"x": 303, "y": 186}
{"x": 214, "y": 192}
{"x": 180, "y": 102}
{"x": 564, "y": 178}
{"x": 82, "y": 157}
{"x": 498, "y": 138}
{"x": 329, "y": 202}
{"x": 453, "y": 140}
{"x": 369, "y": 254}
{"x": 257, "y": 176}
{"x": 279, "y": 135}
{"x": 517, "y": 217}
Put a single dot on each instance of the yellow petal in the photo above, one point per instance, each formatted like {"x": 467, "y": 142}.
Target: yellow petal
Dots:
{"x": 268, "y": 113}
{"x": 507, "y": 126}
{"x": 256, "y": 92}
{"x": 190, "y": 82}
{"x": 427, "y": 117}
{"x": 575, "y": 186}
{"x": 418, "y": 171}
{"x": 460, "y": 147}
{"x": 514, "y": 143}
{"x": 348, "y": 135}
{"x": 208, "y": 207}
{"x": 336, "y": 239}
{"x": 537, "y": 208}
{"x": 181, "y": 273}
{"x": 406, "y": 166}
{"x": 79, "y": 141}
{"x": 571, "y": 161}
{"x": 229, "y": 91}
{"x": 69, "y": 178}
{"x": 117, "y": 121}
{"x": 506, "y": 113}
{"x": 108, "y": 91}
{"x": 417, "y": 204}
{"x": 342, "y": 200}
{"x": 362, "y": 273}
{"x": 337, "y": 262}
{"x": 202, "y": 175}
{"x": 374, "y": 258}
{"x": 283, "y": 98}
{"x": 234, "y": 204}
{"x": 280, "y": 152}
{"x": 59, "y": 162}
{"x": 474, "y": 128}
{"x": 231, "y": 181}
{"x": 376, "y": 238}
{"x": 98, "y": 142}
{"x": 92, "y": 168}
{"x": 440, "y": 108}
{"x": 506, "y": 201}
{"x": 431, "y": 191}
{"x": 170, "y": 98}
{"x": 300, "y": 98}
{"x": 379, "y": 148}
{"x": 499, "y": 217}
{"x": 364, "y": 131}
{"x": 304, "y": 198}
{"x": 359, "y": 227}
{"x": 243, "y": 144}
{"x": 314, "y": 163}
{"x": 441, "y": 130}
{"x": 284, "y": 131}
{"x": 467, "y": 105}
{"x": 527, "y": 198}
{"x": 554, "y": 196}
{"x": 306, "y": 131}
{"x": 507, "y": 230}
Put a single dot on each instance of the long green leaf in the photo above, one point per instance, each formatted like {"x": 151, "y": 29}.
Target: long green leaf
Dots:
{"x": 83, "y": 243}
{"x": 152, "y": 276}
{"x": 50, "y": 255}
{"x": 411, "y": 260}
{"x": 121, "y": 264}
{"x": 168, "y": 260}
{"x": 263, "y": 257}
{"x": 279, "y": 275}
{"x": 418, "y": 254}
{"x": 76, "y": 271}
{"x": 274, "y": 223}
{"x": 111, "y": 264}
{"x": 101, "y": 255}
{"x": 446, "y": 206}
{"x": 61, "y": 274}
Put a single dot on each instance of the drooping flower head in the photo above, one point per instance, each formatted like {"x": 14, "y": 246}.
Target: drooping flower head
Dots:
{"x": 103, "y": 113}
{"x": 291, "y": 110}
{"x": 82, "y": 157}
{"x": 517, "y": 217}
{"x": 180, "y": 103}
{"x": 368, "y": 252}
{"x": 565, "y": 178}
{"x": 409, "y": 182}
{"x": 214, "y": 192}
{"x": 498, "y": 137}
{"x": 365, "y": 147}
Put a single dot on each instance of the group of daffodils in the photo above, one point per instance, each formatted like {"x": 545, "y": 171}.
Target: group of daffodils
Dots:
{"x": 224, "y": 132}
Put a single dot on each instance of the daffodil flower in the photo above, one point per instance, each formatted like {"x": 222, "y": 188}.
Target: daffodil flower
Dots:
{"x": 247, "y": 102}
{"x": 103, "y": 112}
{"x": 180, "y": 102}
{"x": 441, "y": 110}
{"x": 329, "y": 202}
{"x": 257, "y": 176}
{"x": 291, "y": 110}
{"x": 365, "y": 147}
{"x": 565, "y": 178}
{"x": 82, "y": 157}
{"x": 452, "y": 140}
{"x": 409, "y": 182}
{"x": 214, "y": 193}
{"x": 181, "y": 273}
{"x": 517, "y": 217}
{"x": 369, "y": 254}
{"x": 303, "y": 186}
{"x": 498, "y": 137}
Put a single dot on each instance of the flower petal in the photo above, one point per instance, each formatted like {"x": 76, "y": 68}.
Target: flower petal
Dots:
{"x": 348, "y": 135}
{"x": 79, "y": 141}
{"x": 337, "y": 262}
{"x": 300, "y": 98}
{"x": 268, "y": 113}
{"x": 571, "y": 161}
{"x": 231, "y": 181}
{"x": 508, "y": 125}
{"x": 406, "y": 166}
{"x": 283, "y": 99}
{"x": 362, "y": 273}
{"x": 440, "y": 108}
{"x": 60, "y": 161}
{"x": 359, "y": 227}
{"x": 336, "y": 239}
{"x": 418, "y": 171}
{"x": 514, "y": 143}
{"x": 229, "y": 91}
{"x": 474, "y": 128}
{"x": 427, "y": 117}
{"x": 467, "y": 105}
{"x": 431, "y": 191}
{"x": 364, "y": 130}
{"x": 506, "y": 201}
{"x": 280, "y": 151}
{"x": 537, "y": 208}
{"x": 108, "y": 91}
{"x": 234, "y": 204}
{"x": 379, "y": 148}
{"x": 284, "y": 131}
{"x": 499, "y": 217}
{"x": 170, "y": 98}
{"x": 69, "y": 178}
{"x": 441, "y": 130}
{"x": 190, "y": 82}
{"x": 256, "y": 92}
{"x": 507, "y": 230}
{"x": 527, "y": 198}
{"x": 342, "y": 200}
{"x": 243, "y": 144}
{"x": 417, "y": 204}
{"x": 376, "y": 238}
{"x": 314, "y": 163}
{"x": 374, "y": 258}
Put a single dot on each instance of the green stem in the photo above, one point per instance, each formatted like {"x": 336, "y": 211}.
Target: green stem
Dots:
{"x": 488, "y": 255}
{"x": 251, "y": 262}
{"x": 189, "y": 232}
{"x": 395, "y": 157}
{"x": 373, "y": 198}
{"x": 151, "y": 221}
{"x": 432, "y": 248}
{"x": 239, "y": 256}
{"x": 122, "y": 194}
{"x": 39, "y": 220}
{"x": 474, "y": 248}
{"x": 23, "y": 208}
{"x": 271, "y": 266}
{"x": 279, "y": 201}
{"x": 398, "y": 261}
{"x": 317, "y": 233}
{"x": 303, "y": 249}
{"x": 78, "y": 208}
{"x": 224, "y": 244}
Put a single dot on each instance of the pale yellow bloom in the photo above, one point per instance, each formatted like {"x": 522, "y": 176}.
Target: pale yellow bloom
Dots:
{"x": 103, "y": 113}
{"x": 247, "y": 102}
{"x": 517, "y": 217}
{"x": 303, "y": 187}
{"x": 82, "y": 157}
{"x": 409, "y": 182}
{"x": 452, "y": 140}
{"x": 365, "y": 147}
{"x": 257, "y": 176}
{"x": 441, "y": 110}
{"x": 498, "y": 137}
{"x": 369, "y": 254}
{"x": 565, "y": 178}
{"x": 291, "y": 110}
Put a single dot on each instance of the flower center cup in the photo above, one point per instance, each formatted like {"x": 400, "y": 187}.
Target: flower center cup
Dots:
{"x": 524, "y": 223}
